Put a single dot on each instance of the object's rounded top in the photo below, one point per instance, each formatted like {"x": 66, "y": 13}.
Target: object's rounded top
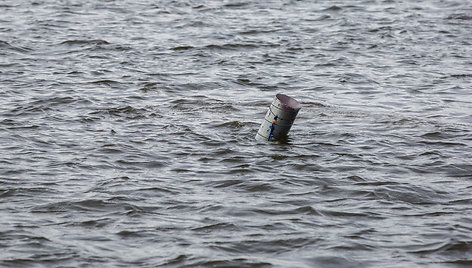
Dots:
{"x": 288, "y": 102}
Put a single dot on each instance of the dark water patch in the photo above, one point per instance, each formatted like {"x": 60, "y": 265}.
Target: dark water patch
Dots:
{"x": 111, "y": 149}
{"x": 464, "y": 17}
{"x": 257, "y": 186}
{"x": 151, "y": 86}
{"x": 334, "y": 8}
{"x": 137, "y": 164}
{"x": 127, "y": 111}
{"x": 459, "y": 170}
{"x": 303, "y": 210}
{"x": 131, "y": 234}
{"x": 40, "y": 107}
{"x": 182, "y": 48}
{"x": 107, "y": 82}
{"x": 464, "y": 76}
{"x": 257, "y": 31}
{"x": 82, "y": 42}
{"x": 466, "y": 201}
{"x": 236, "y": 4}
{"x": 458, "y": 263}
{"x": 353, "y": 247}
{"x": 97, "y": 223}
{"x": 16, "y": 126}
{"x": 239, "y": 46}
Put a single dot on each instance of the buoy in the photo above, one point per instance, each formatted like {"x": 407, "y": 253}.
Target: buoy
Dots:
{"x": 279, "y": 118}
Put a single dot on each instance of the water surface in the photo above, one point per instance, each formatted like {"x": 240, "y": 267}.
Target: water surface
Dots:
{"x": 127, "y": 134}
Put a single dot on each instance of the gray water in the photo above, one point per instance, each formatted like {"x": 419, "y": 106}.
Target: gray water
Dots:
{"x": 127, "y": 133}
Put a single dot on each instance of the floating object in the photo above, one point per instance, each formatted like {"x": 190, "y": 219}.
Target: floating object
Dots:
{"x": 279, "y": 118}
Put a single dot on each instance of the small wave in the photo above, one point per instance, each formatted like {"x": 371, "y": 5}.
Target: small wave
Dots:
{"x": 96, "y": 223}
{"x": 7, "y": 46}
{"x": 143, "y": 164}
{"x": 110, "y": 149}
{"x": 24, "y": 192}
{"x": 44, "y": 104}
{"x": 131, "y": 234}
{"x": 227, "y": 46}
{"x": 232, "y": 124}
{"x": 221, "y": 226}
{"x": 409, "y": 194}
{"x": 150, "y": 86}
{"x": 106, "y": 82}
{"x": 236, "y": 4}
{"x": 94, "y": 45}
{"x": 305, "y": 210}
{"x": 182, "y": 48}
{"x": 333, "y": 8}
{"x": 464, "y": 17}
{"x": 85, "y": 42}
{"x": 323, "y": 18}
{"x": 87, "y": 205}
{"x": 444, "y": 143}
{"x": 273, "y": 245}
{"x": 461, "y": 75}
{"x": 333, "y": 261}
{"x": 233, "y": 46}
{"x": 191, "y": 261}
{"x": 225, "y": 183}
{"x": 256, "y": 31}
{"x": 126, "y": 112}
{"x": 202, "y": 104}
{"x": 449, "y": 248}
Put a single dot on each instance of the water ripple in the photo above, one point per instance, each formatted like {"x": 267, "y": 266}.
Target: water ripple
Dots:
{"x": 127, "y": 134}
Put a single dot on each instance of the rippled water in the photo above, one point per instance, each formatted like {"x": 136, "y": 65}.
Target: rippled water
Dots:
{"x": 127, "y": 133}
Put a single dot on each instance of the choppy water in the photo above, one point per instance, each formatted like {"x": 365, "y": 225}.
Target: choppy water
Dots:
{"x": 127, "y": 133}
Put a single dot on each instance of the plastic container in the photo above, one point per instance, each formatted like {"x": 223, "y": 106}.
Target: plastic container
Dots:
{"x": 279, "y": 118}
